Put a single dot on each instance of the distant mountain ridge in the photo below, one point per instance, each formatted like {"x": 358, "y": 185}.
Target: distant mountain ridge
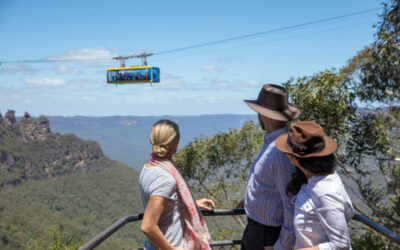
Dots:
{"x": 126, "y": 138}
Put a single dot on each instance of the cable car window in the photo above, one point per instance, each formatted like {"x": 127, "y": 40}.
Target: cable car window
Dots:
{"x": 112, "y": 76}
{"x": 156, "y": 75}
{"x": 142, "y": 76}
{"x": 130, "y": 74}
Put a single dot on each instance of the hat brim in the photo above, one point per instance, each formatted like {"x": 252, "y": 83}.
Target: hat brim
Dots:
{"x": 285, "y": 115}
{"x": 330, "y": 147}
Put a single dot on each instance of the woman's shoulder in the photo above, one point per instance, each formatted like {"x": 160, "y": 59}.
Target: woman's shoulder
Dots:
{"x": 156, "y": 181}
{"x": 329, "y": 188}
{"x": 154, "y": 172}
{"x": 323, "y": 184}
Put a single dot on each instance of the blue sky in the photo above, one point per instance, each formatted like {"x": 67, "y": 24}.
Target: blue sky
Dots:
{"x": 207, "y": 80}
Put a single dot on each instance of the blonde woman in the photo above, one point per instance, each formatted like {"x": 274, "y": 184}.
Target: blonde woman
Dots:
{"x": 172, "y": 219}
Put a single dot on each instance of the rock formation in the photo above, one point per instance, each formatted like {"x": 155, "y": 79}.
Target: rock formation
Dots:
{"x": 11, "y": 122}
{"x": 32, "y": 130}
{"x": 28, "y": 149}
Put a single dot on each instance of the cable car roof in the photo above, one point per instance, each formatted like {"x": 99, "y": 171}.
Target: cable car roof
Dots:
{"x": 132, "y": 67}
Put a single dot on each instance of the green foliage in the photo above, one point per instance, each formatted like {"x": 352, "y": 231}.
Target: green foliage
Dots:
{"x": 372, "y": 240}
{"x": 377, "y": 135}
{"x": 59, "y": 240}
{"x": 228, "y": 234}
{"x": 368, "y": 138}
{"x": 83, "y": 204}
{"x": 326, "y": 99}
{"x": 380, "y": 73}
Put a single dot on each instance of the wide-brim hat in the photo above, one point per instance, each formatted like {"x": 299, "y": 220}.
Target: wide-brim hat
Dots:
{"x": 272, "y": 102}
{"x": 306, "y": 139}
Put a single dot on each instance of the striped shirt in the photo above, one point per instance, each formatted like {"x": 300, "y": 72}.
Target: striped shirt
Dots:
{"x": 266, "y": 200}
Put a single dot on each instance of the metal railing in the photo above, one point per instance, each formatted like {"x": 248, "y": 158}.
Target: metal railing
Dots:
{"x": 377, "y": 227}
{"x": 221, "y": 212}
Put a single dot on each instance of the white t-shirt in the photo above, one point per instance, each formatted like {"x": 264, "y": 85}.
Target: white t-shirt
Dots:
{"x": 322, "y": 211}
{"x": 155, "y": 181}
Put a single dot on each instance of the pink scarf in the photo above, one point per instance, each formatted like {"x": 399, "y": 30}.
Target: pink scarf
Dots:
{"x": 196, "y": 235}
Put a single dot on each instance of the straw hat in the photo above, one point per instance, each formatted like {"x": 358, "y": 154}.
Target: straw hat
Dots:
{"x": 306, "y": 139}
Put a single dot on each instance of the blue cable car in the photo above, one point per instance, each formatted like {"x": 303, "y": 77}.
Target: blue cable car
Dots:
{"x": 134, "y": 74}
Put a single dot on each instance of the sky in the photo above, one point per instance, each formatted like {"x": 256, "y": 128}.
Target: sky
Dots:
{"x": 207, "y": 80}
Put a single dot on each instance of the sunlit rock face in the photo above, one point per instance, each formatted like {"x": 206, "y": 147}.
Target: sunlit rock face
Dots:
{"x": 28, "y": 150}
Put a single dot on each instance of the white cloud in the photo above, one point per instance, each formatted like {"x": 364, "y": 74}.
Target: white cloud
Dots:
{"x": 16, "y": 96}
{"x": 168, "y": 82}
{"x": 65, "y": 70}
{"x": 142, "y": 100}
{"x": 139, "y": 50}
{"x": 213, "y": 69}
{"x": 84, "y": 54}
{"x": 221, "y": 84}
{"x": 210, "y": 99}
{"x": 172, "y": 83}
{"x": 46, "y": 82}
{"x": 170, "y": 76}
{"x": 229, "y": 59}
{"x": 88, "y": 98}
{"x": 254, "y": 84}
{"x": 218, "y": 83}
{"x": 211, "y": 79}
{"x": 17, "y": 69}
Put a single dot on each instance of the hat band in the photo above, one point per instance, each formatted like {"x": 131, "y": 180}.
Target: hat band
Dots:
{"x": 273, "y": 108}
{"x": 303, "y": 149}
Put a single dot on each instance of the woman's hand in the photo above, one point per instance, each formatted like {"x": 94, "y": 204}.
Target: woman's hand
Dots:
{"x": 240, "y": 204}
{"x": 202, "y": 204}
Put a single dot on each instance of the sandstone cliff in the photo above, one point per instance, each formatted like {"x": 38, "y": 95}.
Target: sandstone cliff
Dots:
{"x": 29, "y": 150}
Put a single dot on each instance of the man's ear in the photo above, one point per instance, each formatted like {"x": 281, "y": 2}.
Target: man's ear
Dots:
{"x": 293, "y": 160}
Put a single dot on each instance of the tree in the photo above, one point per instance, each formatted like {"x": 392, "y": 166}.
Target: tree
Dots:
{"x": 377, "y": 83}
{"x": 59, "y": 240}
{"x": 357, "y": 105}
{"x": 380, "y": 73}
{"x": 368, "y": 137}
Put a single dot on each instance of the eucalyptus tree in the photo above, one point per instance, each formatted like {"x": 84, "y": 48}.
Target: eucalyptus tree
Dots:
{"x": 358, "y": 105}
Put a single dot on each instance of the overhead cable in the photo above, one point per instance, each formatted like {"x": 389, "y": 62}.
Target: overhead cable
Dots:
{"x": 266, "y": 32}
{"x": 208, "y": 43}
